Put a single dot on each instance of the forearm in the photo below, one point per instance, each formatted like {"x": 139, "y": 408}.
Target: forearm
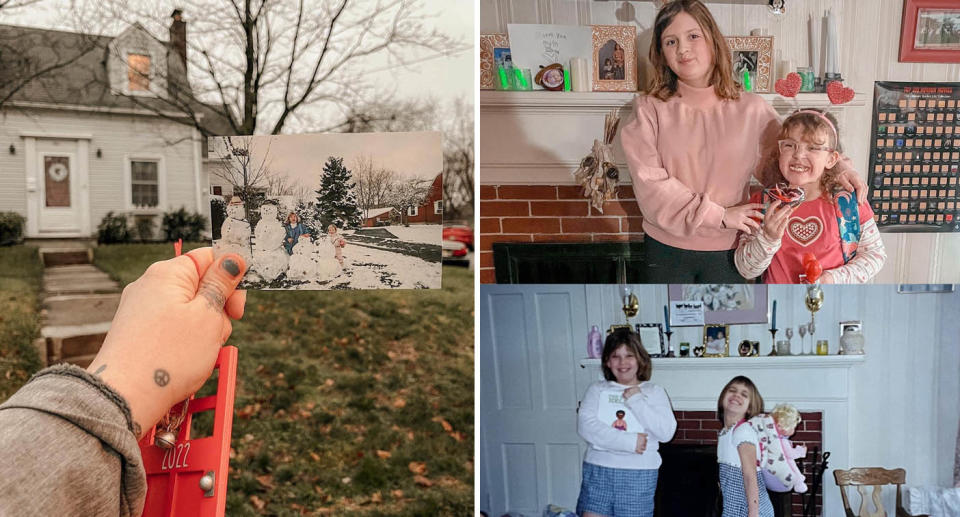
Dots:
{"x": 869, "y": 260}
{"x": 752, "y": 490}
{"x": 754, "y": 254}
{"x": 69, "y": 438}
{"x": 654, "y": 412}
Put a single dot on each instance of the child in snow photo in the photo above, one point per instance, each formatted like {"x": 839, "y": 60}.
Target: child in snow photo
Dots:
{"x": 835, "y": 232}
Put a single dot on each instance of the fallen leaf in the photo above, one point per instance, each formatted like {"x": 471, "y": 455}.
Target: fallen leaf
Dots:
{"x": 315, "y": 456}
{"x": 458, "y": 436}
{"x": 266, "y": 481}
{"x": 396, "y": 494}
{"x": 376, "y": 497}
{"x": 329, "y": 382}
{"x": 417, "y": 467}
{"x": 346, "y": 480}
{"x": 443, "y": 423}
{"x": 410, "y": 435}
{"x": 257, "y": 502}
{"x": 399, "y": 403}
{"x": 383, "y": 454}
{"x": 422, "y": 481}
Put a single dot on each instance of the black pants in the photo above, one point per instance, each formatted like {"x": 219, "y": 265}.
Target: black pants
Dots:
{"x": 669, "y": 265}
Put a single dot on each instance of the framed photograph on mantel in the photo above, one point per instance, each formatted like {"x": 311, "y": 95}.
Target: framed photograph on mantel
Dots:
{"x": 930, "y": 31}
{"x": 614, "y": 58}
{"x": 725, "y": 303}
{"x": 754, "y": 55}
{"x": 494, "y": 51}
{"x": 651, "y": 336}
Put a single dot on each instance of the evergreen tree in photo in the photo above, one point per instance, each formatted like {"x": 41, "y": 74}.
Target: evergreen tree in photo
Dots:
{"x": 336, "y": 203}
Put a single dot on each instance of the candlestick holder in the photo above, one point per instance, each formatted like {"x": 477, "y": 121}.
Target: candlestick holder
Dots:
{"x": 773, "y": 342}
{"x": 669, "y": 346}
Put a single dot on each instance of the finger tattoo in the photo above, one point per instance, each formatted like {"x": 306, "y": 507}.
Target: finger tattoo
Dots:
{"x": 100, "y": 370}
{"x": 215, "y": 299}
{"x": 161, "y": 377}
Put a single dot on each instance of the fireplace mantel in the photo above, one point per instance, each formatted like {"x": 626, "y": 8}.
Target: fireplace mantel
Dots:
{"x": 747, "y": 363}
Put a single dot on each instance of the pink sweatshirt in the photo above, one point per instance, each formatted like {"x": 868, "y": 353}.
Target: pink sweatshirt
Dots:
{"x": 691, "y": 157}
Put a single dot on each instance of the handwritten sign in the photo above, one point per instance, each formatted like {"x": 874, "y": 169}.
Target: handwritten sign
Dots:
{"x": 533, "y": 46}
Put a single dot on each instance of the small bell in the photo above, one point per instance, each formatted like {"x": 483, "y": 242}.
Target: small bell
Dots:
{"x": 165, "y": 440}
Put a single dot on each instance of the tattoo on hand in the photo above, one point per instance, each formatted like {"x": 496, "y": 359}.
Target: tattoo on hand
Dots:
{"x": 215, "y": 300}
{"x": 161, "y": 377}
{"x": 100, "y": 370}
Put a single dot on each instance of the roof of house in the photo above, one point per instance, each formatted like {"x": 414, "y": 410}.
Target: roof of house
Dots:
{"x": 376, "y": 212}
{"x": 78, "y": 73}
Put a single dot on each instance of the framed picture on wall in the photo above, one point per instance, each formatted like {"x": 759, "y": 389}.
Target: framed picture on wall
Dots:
{"x": 930, "y": 31}
{"x": 614, "y": 58}
{"x": 725, "y": 303}
{"x": 753, "y": 55}
{"x": 494, "y": 51}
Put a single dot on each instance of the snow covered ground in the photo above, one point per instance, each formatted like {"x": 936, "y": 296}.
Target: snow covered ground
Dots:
{"x": 424, "y": 233}
{"x": 367, "y": 268}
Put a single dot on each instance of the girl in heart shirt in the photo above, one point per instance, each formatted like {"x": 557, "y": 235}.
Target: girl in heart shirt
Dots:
{"x": 828, "y": 223}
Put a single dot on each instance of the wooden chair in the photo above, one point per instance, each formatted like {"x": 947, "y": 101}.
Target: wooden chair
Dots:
{"x": 875, "y": 477}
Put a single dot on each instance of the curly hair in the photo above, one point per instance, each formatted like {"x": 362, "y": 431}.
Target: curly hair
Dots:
{"x": 664, "y": 81}
{"x": 786, "y": 416}
{"x": 811, "y": 126}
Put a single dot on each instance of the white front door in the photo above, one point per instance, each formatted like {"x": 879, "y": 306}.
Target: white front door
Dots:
{"x": 59, "y": 192}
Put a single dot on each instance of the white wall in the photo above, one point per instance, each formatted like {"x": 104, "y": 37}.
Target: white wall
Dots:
{"x": 864, "y": 58}
{"x": 903, "y": 397}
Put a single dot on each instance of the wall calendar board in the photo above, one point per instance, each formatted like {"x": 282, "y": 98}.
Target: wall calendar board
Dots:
{"x": 915, "y": 157}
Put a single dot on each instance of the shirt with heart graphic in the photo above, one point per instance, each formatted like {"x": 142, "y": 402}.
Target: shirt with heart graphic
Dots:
{"x": 812, "y": 229}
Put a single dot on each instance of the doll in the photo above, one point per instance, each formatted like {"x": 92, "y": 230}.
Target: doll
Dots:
{"x": 777, "y": 453}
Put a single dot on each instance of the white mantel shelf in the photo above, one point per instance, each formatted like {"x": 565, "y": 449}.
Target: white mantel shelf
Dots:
{"x": 494, "y": 100}
{"x": 746, "y": 363}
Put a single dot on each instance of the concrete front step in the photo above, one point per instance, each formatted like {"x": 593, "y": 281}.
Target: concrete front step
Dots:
{"x": 80, "y": 309}
{"x": 65, "y": 341}
{"x": 80, "y": 287}
{"x": 65, "y": 256}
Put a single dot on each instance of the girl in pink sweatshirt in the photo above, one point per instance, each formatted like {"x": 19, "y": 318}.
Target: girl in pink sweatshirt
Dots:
{"x": 692, "y": 148}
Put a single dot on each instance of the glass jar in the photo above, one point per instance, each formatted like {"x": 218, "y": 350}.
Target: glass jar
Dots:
{"x": 783, "y": 347}
{"x": 806, "y": 75}
{"x": 823, "y": 347}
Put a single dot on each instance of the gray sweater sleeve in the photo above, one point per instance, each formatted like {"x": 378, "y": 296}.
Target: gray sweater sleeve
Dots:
{"x": 69, "y": 449}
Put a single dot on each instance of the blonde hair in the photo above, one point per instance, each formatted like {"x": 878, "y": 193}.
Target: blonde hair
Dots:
{"x": 811, "y": 125}
{"x": 786, "y": 416}
{"x": 664, "y": 81}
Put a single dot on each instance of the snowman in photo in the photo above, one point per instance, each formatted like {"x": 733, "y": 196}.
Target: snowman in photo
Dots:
{"x": 269, "y": 257}
{"x": 328, "y": 266}
{"x": 303, "y": 262}
{"x": 234, "y": 232}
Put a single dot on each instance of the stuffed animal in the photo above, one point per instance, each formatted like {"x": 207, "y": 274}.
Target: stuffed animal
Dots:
{"x": 777, "y": 453}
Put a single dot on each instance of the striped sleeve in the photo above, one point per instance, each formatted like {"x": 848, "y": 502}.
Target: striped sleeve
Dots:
{"x": 754, "y": 253}
{"x": 868, "y": 261}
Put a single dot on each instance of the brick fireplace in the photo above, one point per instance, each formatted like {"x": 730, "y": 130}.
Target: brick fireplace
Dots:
{"x": 551, "y": 213}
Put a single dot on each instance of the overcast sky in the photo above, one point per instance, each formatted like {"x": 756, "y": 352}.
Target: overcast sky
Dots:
{"x": 301, "y": 157}
{"x": 433, "y": 75}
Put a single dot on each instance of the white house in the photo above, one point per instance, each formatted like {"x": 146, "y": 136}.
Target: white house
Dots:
{"x": 105, "y": 130}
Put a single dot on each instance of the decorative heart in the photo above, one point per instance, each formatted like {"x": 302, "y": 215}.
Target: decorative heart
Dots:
{"x": 804, "y": 231}
{"x": 787, "y": 195}
{"x": 790, "y": 86}
{"x": 813, "y": 270}
{"x": 838, "y": 93}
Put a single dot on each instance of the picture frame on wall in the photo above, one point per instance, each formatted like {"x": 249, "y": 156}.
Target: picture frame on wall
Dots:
{"x": 614, "y": 58}
{"x": 930, "y": 31}
{"x": 494, "y": 51}
{"x": 651, "y": 336}
{"x": 725, "y": 303}
{"x": 716, "y": 340}
{"x": 755, "y": 55}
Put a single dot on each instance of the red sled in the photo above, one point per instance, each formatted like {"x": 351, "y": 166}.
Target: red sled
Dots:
{"x": 175, "y": 477}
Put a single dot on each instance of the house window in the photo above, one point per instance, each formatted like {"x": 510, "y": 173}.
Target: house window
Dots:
{"x": 144, "y": 184}
{"x": 438, "y": 207}
{"x": 413, "y": 211}
{"x": 138, "y": 72}
{"x": 216, "y": 190}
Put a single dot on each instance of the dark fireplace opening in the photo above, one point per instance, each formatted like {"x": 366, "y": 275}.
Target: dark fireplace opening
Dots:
{"x": 569, "y": 263}
{"x": 688, "y": 484}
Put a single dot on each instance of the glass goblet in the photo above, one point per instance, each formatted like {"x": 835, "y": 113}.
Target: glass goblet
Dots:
{"x": 811, "y": 328}
{"x": 802, "y": 329}
{"x": 789, "y": 333}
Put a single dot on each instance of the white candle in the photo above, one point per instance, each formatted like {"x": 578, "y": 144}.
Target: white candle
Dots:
{"x": 833, "y": 44}
{"x": 815, "y": 45}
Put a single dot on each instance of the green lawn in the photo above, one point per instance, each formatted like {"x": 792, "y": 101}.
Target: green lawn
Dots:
{"x": 20, "y": 280}
{"x": 348, "y": 403}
